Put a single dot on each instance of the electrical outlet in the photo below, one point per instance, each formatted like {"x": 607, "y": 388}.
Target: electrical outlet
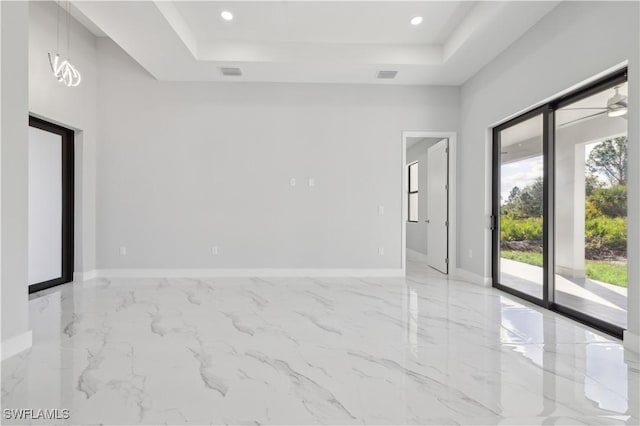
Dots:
{"x": 380, "y": 251}
{"x": 214, "y": 251}
{"x": 470, "y": 254}
{"x": 123, "y": 251}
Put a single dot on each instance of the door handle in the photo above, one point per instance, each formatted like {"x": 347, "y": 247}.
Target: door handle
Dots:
{"x": 494, "y": 222}
{"x": 427, "y": 221}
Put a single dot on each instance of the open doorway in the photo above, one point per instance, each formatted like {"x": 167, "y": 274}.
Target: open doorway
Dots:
{"x": 429, "y": 199}
{"x": 51, "y": 176}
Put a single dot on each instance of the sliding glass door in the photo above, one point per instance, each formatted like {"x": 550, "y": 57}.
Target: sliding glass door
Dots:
{"x": 519, "y": 180}
{"x": 559, "y": 221}
{"x": 591, "y": 213}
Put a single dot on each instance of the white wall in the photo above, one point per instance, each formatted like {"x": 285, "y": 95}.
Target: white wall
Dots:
{"x": 186, "y": 166}
{"x": 14, "y": 148}
{"x": 73, "y": 108}
{"x": 566, "y": 47}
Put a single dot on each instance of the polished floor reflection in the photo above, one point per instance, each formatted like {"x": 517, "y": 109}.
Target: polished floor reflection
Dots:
{"x": 420, "y": 350}
{"x": 600, "y": 300}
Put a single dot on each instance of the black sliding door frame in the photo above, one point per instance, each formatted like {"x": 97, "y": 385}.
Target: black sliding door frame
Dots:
{"x": 495, "y": 258}
{"x": 547, "y": 111}
{"x": 67, "y": 183}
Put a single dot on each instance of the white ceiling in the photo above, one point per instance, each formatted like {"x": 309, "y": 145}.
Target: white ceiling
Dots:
{"x": 313, "y": 41}
{"x": 324, "y": 22}
{"x": 82, "y": 19}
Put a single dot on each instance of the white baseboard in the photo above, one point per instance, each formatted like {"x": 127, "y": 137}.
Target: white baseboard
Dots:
{"x": 84, "y": 276}
{"x": 267, "y": 272}
{"x": 416, "y": 255}
{"x": 16, "y": 344}
{"x": 631, "y": 341}
{"x": 464, "y": 275}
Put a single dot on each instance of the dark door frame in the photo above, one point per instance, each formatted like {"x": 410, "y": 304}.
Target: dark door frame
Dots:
{"x": 548, "y": 142}
{"x": 67, "y": 183}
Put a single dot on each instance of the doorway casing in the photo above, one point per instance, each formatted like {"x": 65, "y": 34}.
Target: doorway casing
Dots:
{"x": 451, "y": 136}
{"x": 67, "y": 203}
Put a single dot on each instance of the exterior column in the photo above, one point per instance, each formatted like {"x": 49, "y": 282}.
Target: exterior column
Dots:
{"x": 570, "y": 209}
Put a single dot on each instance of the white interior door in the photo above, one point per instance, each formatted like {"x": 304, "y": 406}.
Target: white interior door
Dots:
{"x": 45, "y": 206}
{"x": 438, "y": 206}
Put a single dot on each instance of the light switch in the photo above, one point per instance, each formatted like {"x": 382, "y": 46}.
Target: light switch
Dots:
{"x": 380, "y": 210}
{"x": 292, "y": 182}
{"x": 123, "y": 251}
{"x": 312, "y": 182}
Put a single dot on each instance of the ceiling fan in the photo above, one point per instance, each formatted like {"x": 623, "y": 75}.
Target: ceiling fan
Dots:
{"x": 616, "y": 107}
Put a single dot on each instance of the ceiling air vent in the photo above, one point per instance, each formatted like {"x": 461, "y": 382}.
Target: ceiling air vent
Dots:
{"x": 386, "y": 74}
{"x": 231, "y": 72}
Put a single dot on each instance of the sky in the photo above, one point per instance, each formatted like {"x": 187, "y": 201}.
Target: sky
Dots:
{"x": 524, "y": 172}
{"x": 520, "y": 174}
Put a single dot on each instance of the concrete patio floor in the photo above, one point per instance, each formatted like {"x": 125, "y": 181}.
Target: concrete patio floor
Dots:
{"x": 600, "y": 300}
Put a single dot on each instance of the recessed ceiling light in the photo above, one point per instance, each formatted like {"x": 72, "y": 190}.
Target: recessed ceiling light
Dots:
{"x": 226, "y": 15}
{"x": 416, "y": 20}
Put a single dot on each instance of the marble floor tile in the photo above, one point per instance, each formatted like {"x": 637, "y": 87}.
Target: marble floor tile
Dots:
{"x": 417, "y": 350}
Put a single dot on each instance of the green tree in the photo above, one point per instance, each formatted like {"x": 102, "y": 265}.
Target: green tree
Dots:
{"x": 592, "y": 182}
{"x": 513, "y": 195}
{"x": 610, "y": 202}
{"x": 525, "y": 202}
{"x": 609, "y": 158}
{"x": 531, "y": 199}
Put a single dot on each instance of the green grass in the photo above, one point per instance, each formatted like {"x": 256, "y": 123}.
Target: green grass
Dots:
{"x": 607, "y": 272}
{"x": 528, "y": 257}
{"x": 599, "y": 270}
